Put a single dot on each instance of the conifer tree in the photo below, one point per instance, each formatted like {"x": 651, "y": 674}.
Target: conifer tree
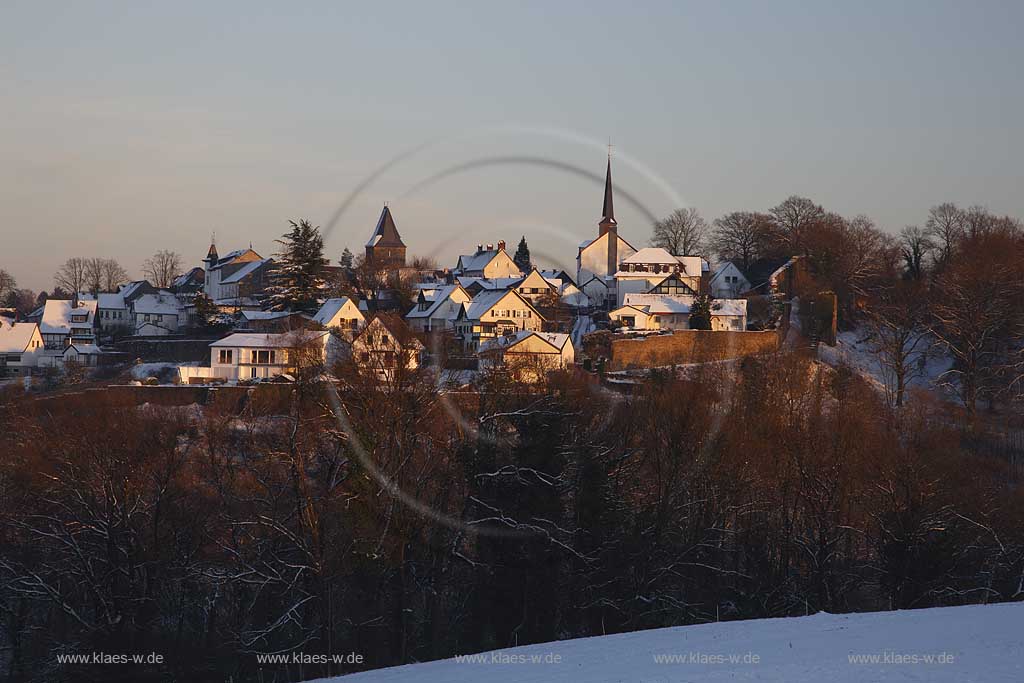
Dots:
{"x": 700, "y": 313}
{"x": 522, "y": 257}
{"x": 297, "y": 281}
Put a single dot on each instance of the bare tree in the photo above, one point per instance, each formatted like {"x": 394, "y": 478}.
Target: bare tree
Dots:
{"x": 73, "y": 276}
{"x": 740, "y": 236}
{"x": 113, "y": 274}
{"x": 794, "y": 218}
{"x": 898, "y": 319}
{"x": 93, "y": 275}
{"x": 945, "y": 226}
{"x": 162, "y": 267}
{"x": 915, "y": 246}
{"x": 683, "y": 232}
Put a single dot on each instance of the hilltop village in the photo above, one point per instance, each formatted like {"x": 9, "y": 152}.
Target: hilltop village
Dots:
{"x": 236, "y": 318}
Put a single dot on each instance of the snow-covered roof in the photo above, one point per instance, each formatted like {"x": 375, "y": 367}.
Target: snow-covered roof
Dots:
{"x": 651, "y": 255}
{"x": 14, "y": 338}
{"x": 57, "y": 315}
{"x": 283, "y": 340}
{"x": 737, "y": 307}
{"x": 245, "y": 271}
{"x": 478, "y": 306}
{"x": 111, "y": 301}
{"x": 265, "y": 315}
{"x": 156, "y": 304}
{"x": 555, "y": 339}
{"x": 330, "y": 309}
{"x": 478, "y": 260}
{"x": 658, "y": 304}
{"x": 439, "y": 298}
{"x": 84, "y": 349}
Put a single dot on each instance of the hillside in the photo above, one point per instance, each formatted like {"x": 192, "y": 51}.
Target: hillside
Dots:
{"x": 981, "y": 643}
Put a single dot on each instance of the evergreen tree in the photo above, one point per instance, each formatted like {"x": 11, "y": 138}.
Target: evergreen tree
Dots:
{"x": 346, "y": 260}
{"x": 700, "y": 313}
{"x": 297, "y": 281}
{"x": 206, "y": 310}
{"x": 522, "y": 257}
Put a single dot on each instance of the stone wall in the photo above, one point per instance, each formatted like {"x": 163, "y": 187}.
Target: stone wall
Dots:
{"x": 689, "y": 346}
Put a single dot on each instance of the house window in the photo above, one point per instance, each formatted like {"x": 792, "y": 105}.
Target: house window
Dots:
{"x": 146, "y": 317}
{"x": 364, "y": 356}
{"x": 224, "y": 357}
{"x": 263, "y": 356}
{"x": 383, "y": 339}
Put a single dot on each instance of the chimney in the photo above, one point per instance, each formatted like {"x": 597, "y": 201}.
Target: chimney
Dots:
{"x": 479, "y": 248}
{"x": 490, "y": 247}
{"x": 501, "y": 244}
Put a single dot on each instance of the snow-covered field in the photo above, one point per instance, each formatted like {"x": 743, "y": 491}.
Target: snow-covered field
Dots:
{"x": 974, "y": 644}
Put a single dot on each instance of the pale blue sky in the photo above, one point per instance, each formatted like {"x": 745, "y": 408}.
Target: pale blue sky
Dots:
{"x": 129, "y": 128}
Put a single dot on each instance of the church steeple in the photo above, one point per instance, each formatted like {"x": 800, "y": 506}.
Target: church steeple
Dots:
{"x": 608, "y": 225}
{"x": 608, "y": 211}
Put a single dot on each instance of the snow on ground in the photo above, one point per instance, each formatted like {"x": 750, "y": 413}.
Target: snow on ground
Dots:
{"x": 144, "y": 370}
{"x": 978, "y": 643}
{"x": 854, "y": 349}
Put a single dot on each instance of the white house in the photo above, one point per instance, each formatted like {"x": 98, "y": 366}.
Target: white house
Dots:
{"x": 437, "y": 311}
{"x": 342, "y": 313}
{"x": 249, "y": 356}
{"x": 650, "y": 312}
{"x": 112, "y": 312}
{"x": 728, "y": 282}
{"x": 156, "y": 314}
{"x": 530, "y": 355}
{"x": 21, "y": 344}
{"x": 729, "y": 314}
{"x": 84, "y": 354}
{"x": 493, "y": 314}
{"x": 65, "y": 321}
{"x": 650, "y": 266}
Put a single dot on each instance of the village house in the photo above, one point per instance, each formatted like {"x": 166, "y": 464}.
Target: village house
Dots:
{"x": 652, "y": 312}
{"x": 529, "y": 355}
{"x": 652, "y": 266}
{"x": 598, "y": 260}
{"x": 488, "y": 262}
{"x": 66, "y": 321}
{"x": 728, "y": 281}
{"x": 343, "y": 314}
{"x": 385, "y": 346}
{"x": 493, "y": 314}
{"x": 21, "y": 345}
{"x": 437, "y": 310}
{"x": 254, "y": 356}
{"x": 83, "y": 354}
{"x": 156, "y": 314}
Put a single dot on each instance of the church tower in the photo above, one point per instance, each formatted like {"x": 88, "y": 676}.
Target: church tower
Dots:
{"x": 386, "y": 250}
{"x": 608, "y": 225}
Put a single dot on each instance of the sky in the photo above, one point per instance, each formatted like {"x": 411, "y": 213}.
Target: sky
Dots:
{"x": 133, "y": 127}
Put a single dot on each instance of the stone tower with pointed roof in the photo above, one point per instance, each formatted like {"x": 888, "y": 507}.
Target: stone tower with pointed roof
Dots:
{"x": 385, "y": 250}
